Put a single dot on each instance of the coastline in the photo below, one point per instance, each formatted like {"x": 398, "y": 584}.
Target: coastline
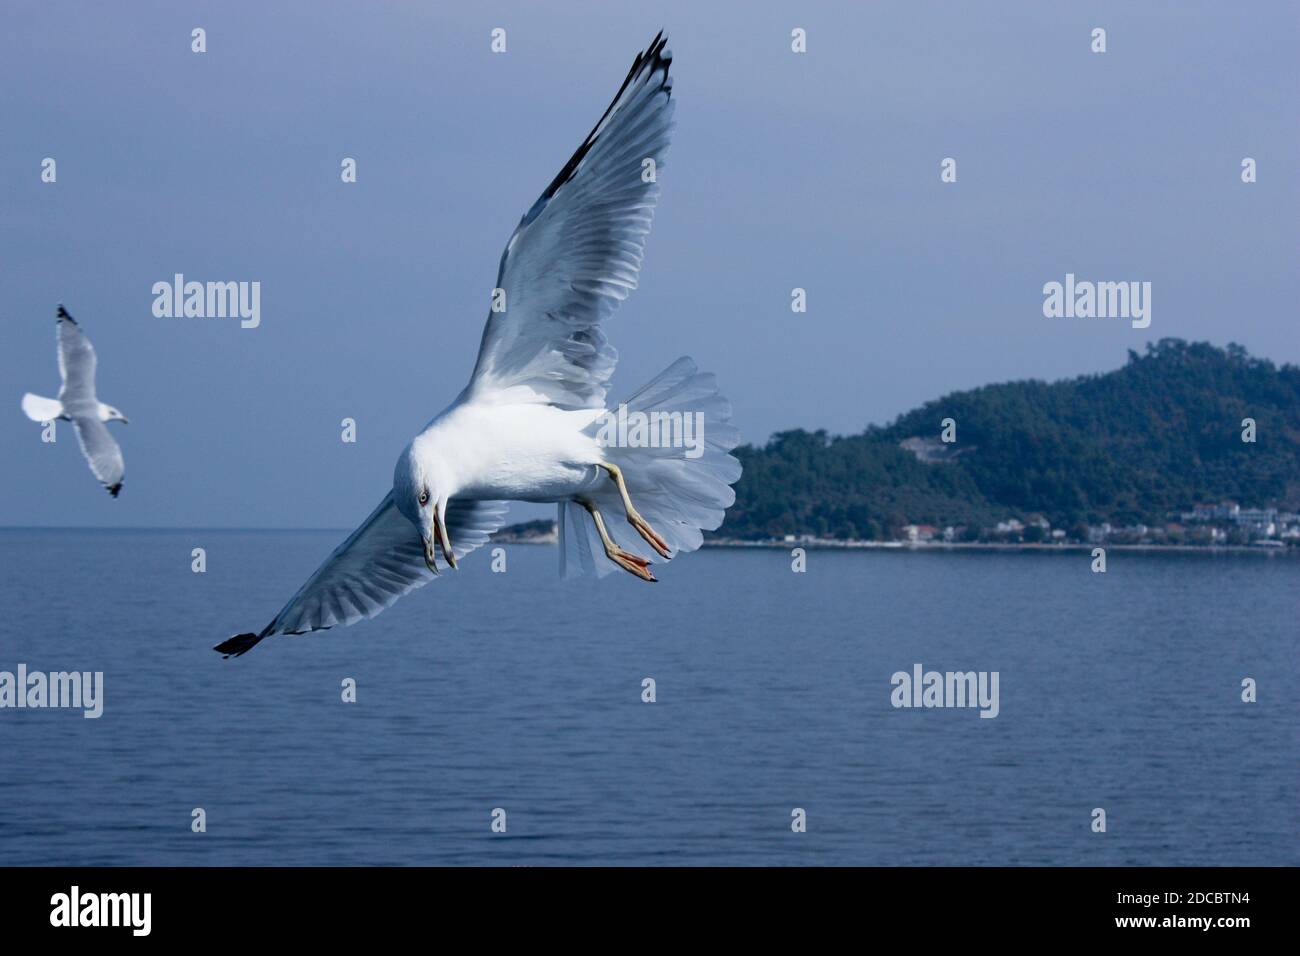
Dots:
{"x": 828, "y": 543}
{"x": 833, "y": 543}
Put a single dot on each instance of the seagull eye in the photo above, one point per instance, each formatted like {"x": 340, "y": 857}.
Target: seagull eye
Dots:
{"x": 424, "y": 498}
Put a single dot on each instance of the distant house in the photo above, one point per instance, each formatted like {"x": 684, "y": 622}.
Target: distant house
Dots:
{"x": 1256, "y": 522}
{"x": 1010, "y": 526}
{"x": 1227, "y": 511}
{"x": 920, "y": 532}
{"x": 1262, "y": 522}
{"x": 933, "y": 451}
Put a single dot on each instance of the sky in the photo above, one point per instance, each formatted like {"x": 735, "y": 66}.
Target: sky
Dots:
{"x": 818, "y": 170}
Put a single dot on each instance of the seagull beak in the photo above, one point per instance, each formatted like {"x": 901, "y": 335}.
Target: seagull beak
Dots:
{"x": 440, "y": 522}
{"x": 429, "y": 561}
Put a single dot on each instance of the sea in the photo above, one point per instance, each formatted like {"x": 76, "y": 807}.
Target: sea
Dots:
{"x": 745, "y": 710}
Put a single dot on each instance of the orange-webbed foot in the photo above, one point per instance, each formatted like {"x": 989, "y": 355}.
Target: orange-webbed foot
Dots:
{"x": 629, "y": 562}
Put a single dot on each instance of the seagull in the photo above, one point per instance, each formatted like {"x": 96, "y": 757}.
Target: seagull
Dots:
{"x": 533, "y": 422}
{"x": 77, "y": 403}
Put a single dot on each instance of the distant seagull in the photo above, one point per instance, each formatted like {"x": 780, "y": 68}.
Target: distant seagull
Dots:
{"x": 77, "y": 403}
{"x": 529, "y": 424}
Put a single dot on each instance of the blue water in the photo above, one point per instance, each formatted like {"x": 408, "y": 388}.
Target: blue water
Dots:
{"x": 523, "y": 692}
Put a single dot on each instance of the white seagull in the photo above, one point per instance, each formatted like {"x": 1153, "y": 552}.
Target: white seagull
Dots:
{"x": 77, "y": 403}
{"x": 532, "y": 424}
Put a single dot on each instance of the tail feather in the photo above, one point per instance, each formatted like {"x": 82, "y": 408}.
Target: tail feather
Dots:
{"x": 40, "y": 409}
{"x": 579, "y": 543}
{"x": 680, "y": 491}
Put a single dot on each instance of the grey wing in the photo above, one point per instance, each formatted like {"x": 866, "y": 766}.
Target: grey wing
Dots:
{"x": 378, "y": 563}
{"x": 76, "y": 361}
{"x": 577, "y": 252}
{"x": 101, "y": 451}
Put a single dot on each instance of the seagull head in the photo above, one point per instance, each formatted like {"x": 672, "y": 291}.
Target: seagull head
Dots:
{"x": 111, "y": 414}
{"x": 416, "y": 494}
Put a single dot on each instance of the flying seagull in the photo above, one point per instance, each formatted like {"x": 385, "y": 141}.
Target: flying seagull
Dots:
{"x": 77, "y": 403}
{"x": 532, "y": 424}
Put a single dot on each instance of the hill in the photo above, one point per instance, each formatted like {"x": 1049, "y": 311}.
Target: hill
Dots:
{"x": 1126, "y": 447}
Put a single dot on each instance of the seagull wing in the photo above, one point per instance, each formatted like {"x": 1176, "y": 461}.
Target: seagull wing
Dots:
{"x": 101, "y": 451}
{"x": 76, "y": 362}
{"x": 577, "y": 252}
{"x": 378, "y": 563}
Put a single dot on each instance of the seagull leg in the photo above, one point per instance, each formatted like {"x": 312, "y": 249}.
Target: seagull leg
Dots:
{"x": 634, "y": 518}
{"x": 632, "y": 563}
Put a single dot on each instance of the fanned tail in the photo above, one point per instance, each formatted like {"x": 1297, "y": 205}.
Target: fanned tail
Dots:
{"x": 41, "y": 409}
{"x": 681, "y": 488}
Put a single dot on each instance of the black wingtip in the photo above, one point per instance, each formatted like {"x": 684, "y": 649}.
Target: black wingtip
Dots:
{"x": 63, "y": 314}
{"x": 650, "y": 61}
{"x": 238, "y": 645}
{"x": 659, "y": 57}
{"x": 114, "y": 489}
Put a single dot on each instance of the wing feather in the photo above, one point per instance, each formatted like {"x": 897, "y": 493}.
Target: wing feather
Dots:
{"x": 76, "y": 361}
{"x": 378, "y": 563}
{"x": 576, "y": 254}
{"x": 101, "y": 452}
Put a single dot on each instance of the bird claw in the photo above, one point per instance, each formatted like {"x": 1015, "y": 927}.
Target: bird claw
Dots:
{"x": 632, "y": 563}
{"x": 651, "y": 536}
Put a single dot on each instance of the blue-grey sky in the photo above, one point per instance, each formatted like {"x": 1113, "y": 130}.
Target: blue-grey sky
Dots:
{"x": 818, "y": 170}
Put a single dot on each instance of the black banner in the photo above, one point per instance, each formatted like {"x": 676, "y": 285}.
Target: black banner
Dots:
{"x": 329, "y": 905}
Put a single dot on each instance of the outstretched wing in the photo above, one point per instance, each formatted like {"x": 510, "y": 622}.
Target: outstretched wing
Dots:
{"x": 76, "y": 361}
{"x": 101, "y": 451}
{"x": 577, "y": 253}
{"x": 378, "y": 563}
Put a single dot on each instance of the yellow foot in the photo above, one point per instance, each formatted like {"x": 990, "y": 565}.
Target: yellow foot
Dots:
{"x": 634, "y": 564}
{"x": 651, "y": 536}
{"x": 629, "y": 562}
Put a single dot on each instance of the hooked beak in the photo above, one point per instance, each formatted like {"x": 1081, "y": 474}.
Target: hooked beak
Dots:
{"x": 440, "y": 522}
{"x": 440, "y": 531}
{"x": 429, "y": 561}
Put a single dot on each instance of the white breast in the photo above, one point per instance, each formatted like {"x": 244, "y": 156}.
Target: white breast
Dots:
{"x": 518, "y": 452}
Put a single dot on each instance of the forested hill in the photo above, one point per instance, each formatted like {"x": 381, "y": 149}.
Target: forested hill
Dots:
{"x": 1129, "y": 446}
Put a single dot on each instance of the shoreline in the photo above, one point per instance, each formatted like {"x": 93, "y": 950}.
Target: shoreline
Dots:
{"x": 821, "y": 544}
{"x": 832, "y": 543}
{"x": 824, "y": 544}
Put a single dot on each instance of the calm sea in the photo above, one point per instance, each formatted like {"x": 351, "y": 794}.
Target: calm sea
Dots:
{"x": 518, "y": 691}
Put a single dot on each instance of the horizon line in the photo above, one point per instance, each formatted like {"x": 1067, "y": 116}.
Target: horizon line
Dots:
{"x": 111, "y": 527}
